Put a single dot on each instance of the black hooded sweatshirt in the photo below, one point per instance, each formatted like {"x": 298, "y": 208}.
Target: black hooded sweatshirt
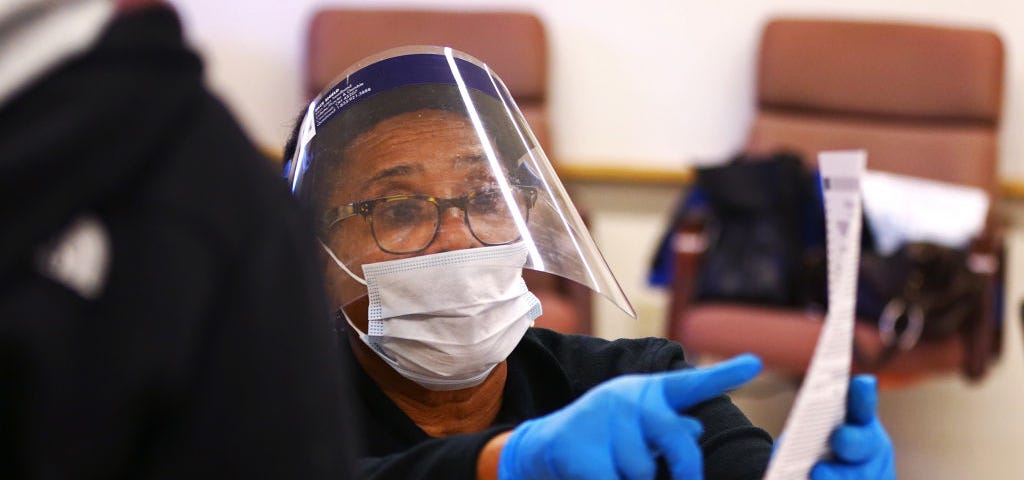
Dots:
{"x": 208, "y": 352}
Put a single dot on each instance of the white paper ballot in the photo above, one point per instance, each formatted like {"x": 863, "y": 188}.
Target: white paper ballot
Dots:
{"x": 820, "y": 404}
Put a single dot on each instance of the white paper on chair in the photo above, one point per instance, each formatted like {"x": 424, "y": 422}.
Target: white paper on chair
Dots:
{"x": 900, "y": 209}
{"x": 820, "y": 404}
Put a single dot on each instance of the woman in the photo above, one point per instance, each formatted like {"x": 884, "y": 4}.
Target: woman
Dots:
{"x": 430, "y": 196}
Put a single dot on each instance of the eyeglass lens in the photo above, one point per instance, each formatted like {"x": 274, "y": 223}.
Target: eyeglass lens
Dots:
{"x": 407, "y": 225}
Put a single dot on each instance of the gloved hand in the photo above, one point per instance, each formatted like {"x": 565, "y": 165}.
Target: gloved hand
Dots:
{"x": 861, "y": 447}
{"x": 619, "y": 428}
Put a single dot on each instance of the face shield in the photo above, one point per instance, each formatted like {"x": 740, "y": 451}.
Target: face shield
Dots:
{"x": 421, "y": 150}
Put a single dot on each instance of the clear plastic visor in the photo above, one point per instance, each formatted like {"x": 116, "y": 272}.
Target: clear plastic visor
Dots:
{"x": 421, "y": 150}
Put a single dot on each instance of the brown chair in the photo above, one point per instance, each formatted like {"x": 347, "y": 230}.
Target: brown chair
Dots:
{"x": 512, "y": 43}
{"x": 923, "y": 101}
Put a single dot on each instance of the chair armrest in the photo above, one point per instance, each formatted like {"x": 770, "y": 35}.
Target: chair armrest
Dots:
{"x": 983, "y": 339}
{"x": 688, "y": 245}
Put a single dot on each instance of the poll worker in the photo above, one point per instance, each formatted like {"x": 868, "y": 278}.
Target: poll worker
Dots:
{"x": 430, "y": 195}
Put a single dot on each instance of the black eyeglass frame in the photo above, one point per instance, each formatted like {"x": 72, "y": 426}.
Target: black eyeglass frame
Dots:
{"x": 365, "y": 208}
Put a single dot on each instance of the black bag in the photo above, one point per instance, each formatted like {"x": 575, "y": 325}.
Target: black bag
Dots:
{"x": 922, "y": 292}
{"x": 754, "y": 229}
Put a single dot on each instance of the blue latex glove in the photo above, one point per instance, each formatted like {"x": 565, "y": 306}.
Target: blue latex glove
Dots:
{"x": 619, "y": 428}
{"x": 862, "y": 449}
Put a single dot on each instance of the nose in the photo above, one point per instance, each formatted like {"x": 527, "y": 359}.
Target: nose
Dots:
{"x": 452, "y": 233}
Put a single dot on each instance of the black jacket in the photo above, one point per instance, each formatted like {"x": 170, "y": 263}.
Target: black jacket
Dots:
{"x": 546, "y": 372}
{"x": 209, "y": 352}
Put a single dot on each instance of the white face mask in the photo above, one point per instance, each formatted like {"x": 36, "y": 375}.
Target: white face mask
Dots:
{"x": 445, "y": 320}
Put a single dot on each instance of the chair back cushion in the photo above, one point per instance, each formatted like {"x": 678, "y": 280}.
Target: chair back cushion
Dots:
{"x": 923, "y": 100}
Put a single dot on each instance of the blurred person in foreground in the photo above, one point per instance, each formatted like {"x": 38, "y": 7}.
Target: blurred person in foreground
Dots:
{"x": 161, "y": 313}
{"x": 430, "y": 195}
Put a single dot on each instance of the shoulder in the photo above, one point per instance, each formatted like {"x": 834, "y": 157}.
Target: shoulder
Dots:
{"x": 589, "y": 360}
{"x": 628, "y": 355}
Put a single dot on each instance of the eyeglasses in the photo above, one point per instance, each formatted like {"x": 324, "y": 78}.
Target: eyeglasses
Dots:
{"x": 404, "y": 224}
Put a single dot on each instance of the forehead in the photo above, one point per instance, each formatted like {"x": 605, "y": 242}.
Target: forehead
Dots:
{"x": 425, "y": 140}
{"x": 434, "y": 131}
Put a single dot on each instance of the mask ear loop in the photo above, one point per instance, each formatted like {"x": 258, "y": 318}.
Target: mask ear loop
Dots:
{"x": 342, "y": 265}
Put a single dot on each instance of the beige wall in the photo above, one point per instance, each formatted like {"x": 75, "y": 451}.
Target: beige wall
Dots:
{"x": 664, "y": 82}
